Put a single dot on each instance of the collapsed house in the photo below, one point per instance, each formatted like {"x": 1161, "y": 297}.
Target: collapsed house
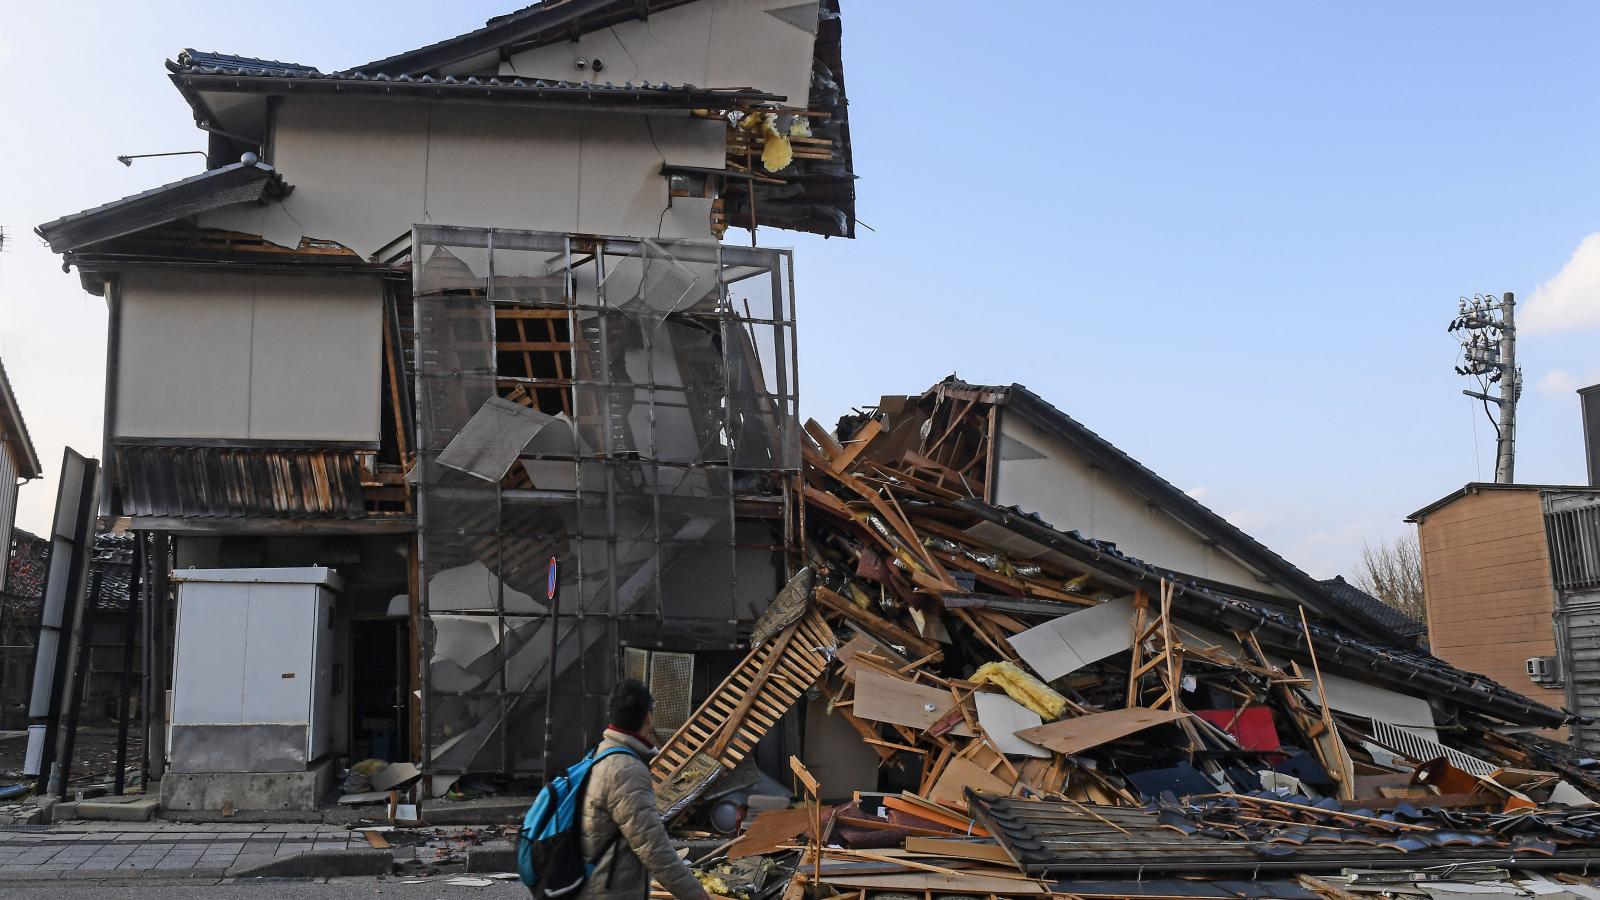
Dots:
{"x": 445, "y": 346}
{"x": 1042, "y": 712}
{"x": 438, "y": 385}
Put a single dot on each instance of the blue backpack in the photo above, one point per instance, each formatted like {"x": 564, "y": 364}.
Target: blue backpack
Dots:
{"x": 549, "y": 843}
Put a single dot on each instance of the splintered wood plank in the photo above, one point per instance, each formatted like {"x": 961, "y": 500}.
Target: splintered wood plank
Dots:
{"x": 876, "y": 625}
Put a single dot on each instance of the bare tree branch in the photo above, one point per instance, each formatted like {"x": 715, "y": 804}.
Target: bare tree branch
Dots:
{"x": 1392, "y": 572}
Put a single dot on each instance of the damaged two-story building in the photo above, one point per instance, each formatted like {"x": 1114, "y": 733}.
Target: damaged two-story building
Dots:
{"x": 450, "y": 340}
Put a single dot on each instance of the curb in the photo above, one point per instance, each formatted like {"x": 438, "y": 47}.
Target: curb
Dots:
{"x": 317, "y": 864}
{"x": 493, "y": 858}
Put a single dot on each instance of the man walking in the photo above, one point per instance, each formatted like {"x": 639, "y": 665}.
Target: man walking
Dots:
{"x": 621, "y": 829}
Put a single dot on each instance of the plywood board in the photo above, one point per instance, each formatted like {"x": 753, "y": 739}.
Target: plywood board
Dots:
{"x": 1069, "y": 643}
{"x": 394, "y": 775}
{"x": 985, "y": 851}
{"x": 1071, "y": 736}
{"x": 1002, "y": 717}
{"x": 771, "y": 830}
{"x": 881, "y": 697}
{"x": 960, "y": 774}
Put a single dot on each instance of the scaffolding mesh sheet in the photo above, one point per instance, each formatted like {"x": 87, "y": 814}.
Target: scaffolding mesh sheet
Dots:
{"x": 660, "y": 382}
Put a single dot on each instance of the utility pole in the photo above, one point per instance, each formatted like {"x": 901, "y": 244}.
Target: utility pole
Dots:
{"x": 1489, "y": 353}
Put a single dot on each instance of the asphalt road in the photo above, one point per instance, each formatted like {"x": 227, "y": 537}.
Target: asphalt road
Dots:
{"x": 338, "y": 889}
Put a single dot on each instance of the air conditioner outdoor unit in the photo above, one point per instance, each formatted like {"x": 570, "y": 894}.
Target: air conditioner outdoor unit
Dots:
{"x": 1544, "y": 670}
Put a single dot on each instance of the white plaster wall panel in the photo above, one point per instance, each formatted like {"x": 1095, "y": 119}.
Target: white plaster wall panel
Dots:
{"x": 365, "y": 172}
{"x": 1062, "y": 488}
{"x": 623, "y": 191}
{"x": 713, "y": 43}
{"x": 358, "y": 169}
{"x": 183, "y": 367}
{"x": 316, "y": 359}
{"x": 1360, "y": 699}
{"x": 507, "y": 168}
{"x": 249, "y": 357}
{"x": 8, "y": 505}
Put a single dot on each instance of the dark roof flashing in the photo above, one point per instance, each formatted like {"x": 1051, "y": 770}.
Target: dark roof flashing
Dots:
{"x": 244, "y": 75}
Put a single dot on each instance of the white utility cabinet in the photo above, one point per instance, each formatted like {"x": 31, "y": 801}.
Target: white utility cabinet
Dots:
{"x": 253, "y": 668}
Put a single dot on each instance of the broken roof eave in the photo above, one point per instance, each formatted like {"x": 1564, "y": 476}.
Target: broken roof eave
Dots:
{"x": 1206, "y": 607}
{"x": 213, "y": 189}
{"x": 1175, "y": 502}
{"x": 15, "y": 431}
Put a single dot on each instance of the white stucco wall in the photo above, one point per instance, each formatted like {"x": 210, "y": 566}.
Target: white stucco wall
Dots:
{"x": 712, "y": 43}
{"x": 249, "y": 357}
{"x": 1067, "y": 492}
{"x": 365, "y": 171}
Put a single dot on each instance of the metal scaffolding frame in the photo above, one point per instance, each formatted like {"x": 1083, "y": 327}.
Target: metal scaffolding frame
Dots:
{"x": 634, "y": 464}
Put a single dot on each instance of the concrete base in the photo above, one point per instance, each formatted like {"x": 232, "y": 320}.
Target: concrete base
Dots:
{"x": 317, "y": 864}
{"x": 501, "y": 810}
{"x": 187, "y": 791}
{"x": 117, "y": 809}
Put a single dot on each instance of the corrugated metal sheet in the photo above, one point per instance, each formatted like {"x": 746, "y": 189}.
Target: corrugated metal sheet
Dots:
{"x": 239, "y": 482}
{"x": 1580, "y": 664}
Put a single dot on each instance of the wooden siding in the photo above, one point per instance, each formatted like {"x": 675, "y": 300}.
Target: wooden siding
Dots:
{"x": 1486, "y": 573}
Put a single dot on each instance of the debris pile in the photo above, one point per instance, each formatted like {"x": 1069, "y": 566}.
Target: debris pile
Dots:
{"x": 1046, "y": 708}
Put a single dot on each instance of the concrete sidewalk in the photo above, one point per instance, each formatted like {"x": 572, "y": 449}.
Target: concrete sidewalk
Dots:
{"x": 168, "y": 850}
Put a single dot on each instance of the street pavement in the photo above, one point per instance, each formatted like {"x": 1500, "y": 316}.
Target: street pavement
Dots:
{"x": 197, "y": 889}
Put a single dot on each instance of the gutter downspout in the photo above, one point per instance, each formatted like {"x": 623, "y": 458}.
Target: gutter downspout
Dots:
{"x": 109, "y": 422}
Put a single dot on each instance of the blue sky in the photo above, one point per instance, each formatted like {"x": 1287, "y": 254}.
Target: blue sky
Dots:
{"x": 1228, "y": 237}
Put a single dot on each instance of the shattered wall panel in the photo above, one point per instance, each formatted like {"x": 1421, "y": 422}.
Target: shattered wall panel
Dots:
{"x": 672, "y": 399}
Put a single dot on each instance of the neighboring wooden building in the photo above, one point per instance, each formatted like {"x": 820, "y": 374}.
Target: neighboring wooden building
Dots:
{"x": 18, "y": 463}
{"x": 1506, "y": 568}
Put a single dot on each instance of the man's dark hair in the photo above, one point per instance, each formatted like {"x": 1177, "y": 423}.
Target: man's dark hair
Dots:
{"x": 630, "y": 703}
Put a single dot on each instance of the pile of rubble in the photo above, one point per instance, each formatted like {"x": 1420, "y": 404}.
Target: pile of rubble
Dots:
{"x": 1063, "y": 719}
